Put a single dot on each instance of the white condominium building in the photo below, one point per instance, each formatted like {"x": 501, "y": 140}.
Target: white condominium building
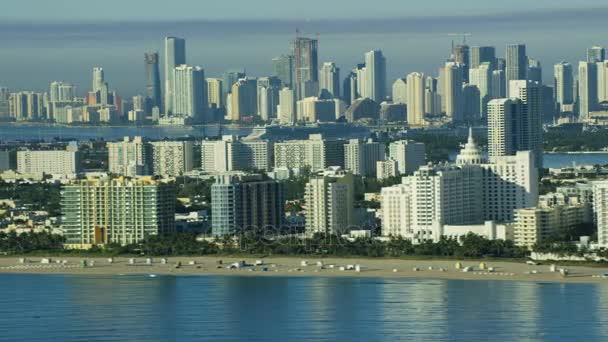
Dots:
{"x": 386, "y": 169}
{"x": 129, "y": 157}
{"x": 171, "y": 158}
{"x": 360, "y": 157}
{"x": 64, "y": 162}
{"x": 329, "y": 202}
{"x": 600, "y": 210}
{"x": 315, "y": 153}
{"x": 408, "y": 154}
{"x": 233, "y": 154}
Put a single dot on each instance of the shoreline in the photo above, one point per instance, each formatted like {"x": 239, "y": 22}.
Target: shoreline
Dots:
{"x": 293, "y": 267}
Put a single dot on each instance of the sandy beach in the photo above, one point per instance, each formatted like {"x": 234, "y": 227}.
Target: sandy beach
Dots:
{"x": 291, "y": 266}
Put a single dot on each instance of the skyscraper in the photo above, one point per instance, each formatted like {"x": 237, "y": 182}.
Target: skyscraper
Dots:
{"x": 516, "y": 64}
{"x": 461, "y": 55}
{"x": 244, "y": 99}
{"x": 596, "y": 54}
{"x": 130, "y": 157}
{"x": 453, "y": 91}
{"x": 481, "y": 76}
{"x": 153, "y": 93}
{"x": 587, "y": 88}
{"x": 481, "y": 54}
{"x": 503, "y": 116}
{"x": 230, "y": 77}
{"x": 215, "y": 93}
{"x": 189, "y": 92}
{"x": 529, "y": 126}
{"x": 268, "y": 97}
{"x": 602, "y": 81}
{"x": 306, "y": 63}
{"x": 100, "y": 88}
{"x": 287, "y": 107}
{"x": 361, "y": 157}
{"x": 282, "y": 67}
{"x": 498, "y": 89}
{"x": 400, "y": 91}
{"x": 375, "y": 76}
{"x": 330, "y": 80}
{"x": 175, "y": 55}
{"x": 564, "y": 84}
{"x": 416, "y": 99}
{"x": 535, "y": 71}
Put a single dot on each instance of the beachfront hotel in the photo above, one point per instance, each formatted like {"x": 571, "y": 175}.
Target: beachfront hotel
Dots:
{"x": 98, "y": 211}
{"x": 473, "y": 193}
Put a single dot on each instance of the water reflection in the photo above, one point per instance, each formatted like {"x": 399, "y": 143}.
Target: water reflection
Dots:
{"x": 138, "y": 308}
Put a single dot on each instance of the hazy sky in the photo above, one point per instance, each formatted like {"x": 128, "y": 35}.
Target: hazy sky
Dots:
{"x": 78, "y": 10}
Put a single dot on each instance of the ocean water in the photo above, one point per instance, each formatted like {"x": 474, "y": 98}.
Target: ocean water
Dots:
{"x": 215, "y": 308}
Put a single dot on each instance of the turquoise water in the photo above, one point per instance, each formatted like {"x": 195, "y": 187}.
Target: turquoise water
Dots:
{"x": 165, "y": 308}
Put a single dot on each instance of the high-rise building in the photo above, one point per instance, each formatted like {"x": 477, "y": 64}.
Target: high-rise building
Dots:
{"x": 386, "y": 169}
{"x": 529, "y": 126}
{"x": 100, "y": 90}
{"x": 498, "y": 84}
{"x": 153, "y": 92}
{"x": 454, "y": 103}
{"x": 600, "y": 210}
{"x": 516, "y": 64}
{"x": 329, "y": 202}
{"x": 602, "y": 81}
{"x": 233, "y": 154}
{"x": 287, "y": 107}
{"x": 330, "y": 80}
{"x": 315, "y": 153}
{"x": 483, "y": 54}
{"x": 400, "y": 91}
{"x": 268, "y": 97}
{"x": 215, "y": 93}
{"x": 4, "y": 103}
{"x": 481, "y": 77}
{"x": 471, "y": 100}
{"x": 314, "y": 109}
{"x": 409, "y": 155}
{"x": 27, "y": 106}
{"x": 129, "y": 157}
{"x": 246, "y": 203}
{"x": 49, "y": 162}
{"x": 564, "y": 84}
{"x": 244, "y": 99}
{"x": 283, "y": 68}
{"x": 61, "y": 92}
{"x": 361, "y": 158}
{"x": 587, "y": 88}
{"x": 171, "y": 158}
{"x": 503, "y": 118}
{"x": 230, "y": 77}
{"x": 469, "y": 193}
{"x": 461, "y": 55}
{"x": 375, "y": 76}
{"x": 175, "y": 55}
{"x": 596, "y": 54}
{"x": 416, "y": 99}
{"x": 535, "y": 70}
{"x": 98, "y": 211}
{"x": 189, "y": 92}
{"x": 306, "y": 64}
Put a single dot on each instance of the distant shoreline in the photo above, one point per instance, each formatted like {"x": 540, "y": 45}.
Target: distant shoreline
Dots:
{"x": 576, "y": 152}
{"x": 292, "y": 267}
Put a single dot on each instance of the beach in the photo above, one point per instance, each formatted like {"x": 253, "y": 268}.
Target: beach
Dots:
{"x": 300, "y": 266}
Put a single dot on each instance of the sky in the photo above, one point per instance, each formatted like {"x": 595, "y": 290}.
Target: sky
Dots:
{"x": 78, "y": 10}
{"x": 64, "y": 39}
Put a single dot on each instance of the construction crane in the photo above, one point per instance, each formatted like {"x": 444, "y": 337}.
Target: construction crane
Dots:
{"x": 464, "y": 36}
